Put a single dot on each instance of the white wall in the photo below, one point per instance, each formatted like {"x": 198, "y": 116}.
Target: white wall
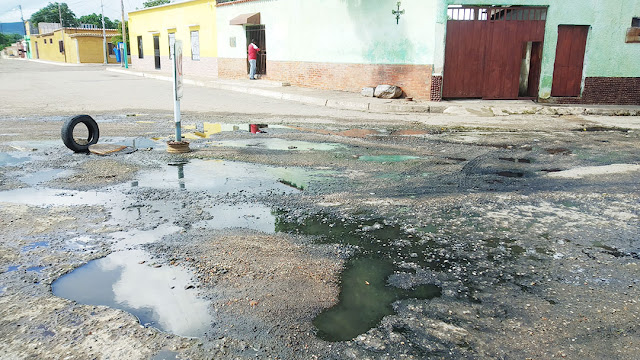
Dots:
{"x": 335, "y": 31}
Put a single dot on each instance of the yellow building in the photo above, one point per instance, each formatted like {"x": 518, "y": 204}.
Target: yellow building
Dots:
{"x": 72, "y": 45}
{"x": 153, "y": 30}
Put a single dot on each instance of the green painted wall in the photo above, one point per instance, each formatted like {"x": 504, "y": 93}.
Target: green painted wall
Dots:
{"x": 335, "y": 31}
{"x": 607, "y": 54}
{"x": 365, "y": 32}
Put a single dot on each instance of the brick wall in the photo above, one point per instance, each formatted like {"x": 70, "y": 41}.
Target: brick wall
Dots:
{"x": 436, "y": 88}
{"x": 232, "y": 68}
{"x": 601, "y": 90}
{"x": 415, "y": 80}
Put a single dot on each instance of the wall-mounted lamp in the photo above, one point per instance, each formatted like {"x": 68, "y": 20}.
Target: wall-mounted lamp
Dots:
{"x": 397, "y": 13}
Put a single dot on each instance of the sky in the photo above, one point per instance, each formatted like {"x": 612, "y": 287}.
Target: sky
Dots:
{"x": 9, "y": 11}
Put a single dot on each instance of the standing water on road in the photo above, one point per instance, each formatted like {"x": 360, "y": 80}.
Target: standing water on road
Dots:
{"x": 366, "y": 295}
{"x": 162, "y": 295}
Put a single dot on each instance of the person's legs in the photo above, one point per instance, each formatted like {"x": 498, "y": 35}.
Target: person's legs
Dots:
{"x": 252, "y": 69}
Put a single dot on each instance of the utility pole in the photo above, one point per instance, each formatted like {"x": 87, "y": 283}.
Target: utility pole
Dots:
{"x": 64, "y": 50}
{"x": 60, "y": 15}
{"x": 22, "y": 18}
{"x": 124, "y": 37}
{"x": 104, "y": 35}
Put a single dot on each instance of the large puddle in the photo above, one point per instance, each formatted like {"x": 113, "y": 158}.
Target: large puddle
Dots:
{"x": 158, "y": 294}
{"x": 163, "y": 296}
{"x": 366, "y": 295}
{"x": 365, "y": 298}
{"x": 229, "y": 177}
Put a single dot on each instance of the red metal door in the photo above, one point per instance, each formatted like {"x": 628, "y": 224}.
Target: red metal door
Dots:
{"x": 567, "y": 72}
{"x": 464, "y": 54}
{"x": 502, "y": 68}
{"x": 483, "y": 51}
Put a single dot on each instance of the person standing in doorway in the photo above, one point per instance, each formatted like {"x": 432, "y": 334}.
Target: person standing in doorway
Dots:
{"x": 253, "y": 57}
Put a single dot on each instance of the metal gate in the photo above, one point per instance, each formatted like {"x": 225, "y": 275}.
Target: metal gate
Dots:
{"x": 491, "y": 52}
{"x": 257, "y": 32}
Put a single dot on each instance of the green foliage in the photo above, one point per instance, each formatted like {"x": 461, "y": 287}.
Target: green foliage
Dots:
{"x": 118, "y": 38}
{"x": 51, "y": 14}
{"x": 8, "y": 39}
{"x": 96, "y": 20}
{"x": 152, "y": 3}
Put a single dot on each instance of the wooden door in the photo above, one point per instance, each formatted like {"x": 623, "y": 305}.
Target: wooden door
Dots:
{"x": 567, "y": 73}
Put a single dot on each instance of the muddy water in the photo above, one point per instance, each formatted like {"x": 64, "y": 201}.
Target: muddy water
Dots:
{"x": 366, "y": 294}
{"x": 365, "y": 299}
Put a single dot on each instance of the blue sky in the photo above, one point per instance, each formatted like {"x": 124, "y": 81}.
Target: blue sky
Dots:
{"x": 9, "y": 11}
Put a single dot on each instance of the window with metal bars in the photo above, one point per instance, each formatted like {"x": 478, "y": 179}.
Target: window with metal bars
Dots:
{"x": 496, "y": 13}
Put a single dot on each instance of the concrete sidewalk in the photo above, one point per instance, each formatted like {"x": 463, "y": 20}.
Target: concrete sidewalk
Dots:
{"x": 353, "y": 101}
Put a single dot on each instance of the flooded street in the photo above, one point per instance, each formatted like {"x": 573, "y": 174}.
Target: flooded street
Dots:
{"x": 329, "y": 234}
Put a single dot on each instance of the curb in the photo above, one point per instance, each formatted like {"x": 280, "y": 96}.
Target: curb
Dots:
{"x": 431, "y": 108}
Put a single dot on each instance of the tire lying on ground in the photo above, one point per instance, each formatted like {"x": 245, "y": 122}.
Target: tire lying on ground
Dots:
{"x": 80, "y": 145}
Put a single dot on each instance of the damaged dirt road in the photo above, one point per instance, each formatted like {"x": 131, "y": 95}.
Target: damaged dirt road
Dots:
{"x": 332, "y": 234}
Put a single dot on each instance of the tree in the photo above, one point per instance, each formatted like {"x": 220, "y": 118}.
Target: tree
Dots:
{"x": 96, "y": 20}
{"x": 51, "y": 13}
{"x": 152, "y": 3}
{"x": 118, "y": 38}
{"x": 8, "y": 39}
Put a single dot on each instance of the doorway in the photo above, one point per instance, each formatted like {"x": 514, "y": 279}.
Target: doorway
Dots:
{"x": 567, "y": 72}
{"x": 530, "y": 69}
{"x": 257, "y": 32}
{"x": 37, "y": 52}
{"x": 156, "y": 50}
{"x": 493, "y": 52}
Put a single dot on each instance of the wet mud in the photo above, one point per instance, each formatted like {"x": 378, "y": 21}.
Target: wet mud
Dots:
{"x": 303, "y": 242}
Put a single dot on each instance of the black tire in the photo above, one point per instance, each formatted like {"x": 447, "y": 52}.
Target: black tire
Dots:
{"x": 67, "y": 133}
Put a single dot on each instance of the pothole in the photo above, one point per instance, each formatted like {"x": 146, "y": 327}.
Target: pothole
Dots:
{"x": 387, "y": 158}
{"x": 159, "y": 296}
{"x": 366, "y": 295}
{"x": 279, "y": 144}
{"x": 221, "y": 177}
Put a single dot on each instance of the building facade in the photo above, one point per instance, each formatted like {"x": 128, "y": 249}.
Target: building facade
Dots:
{"x": 559, "y": 51}
{"x": 72, "y": 45}
{"x": 553, "y": 51}
{"x": 152, "y": 31}
{"x": 573, "y": 51}
{"x": 333, "y": 44}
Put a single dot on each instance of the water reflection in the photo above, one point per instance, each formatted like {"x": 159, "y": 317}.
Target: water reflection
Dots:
{"x": 279, "y": 144}
{"x": 156, "y": 296}
{"x": 54, "y": 197}
{"x": 228, "y": 177}
{"x": 6, "y": 159}
{"x": 248, "y": 216}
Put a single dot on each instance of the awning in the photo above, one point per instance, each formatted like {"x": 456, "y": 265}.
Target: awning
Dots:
{"x": 246, "y": 19}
